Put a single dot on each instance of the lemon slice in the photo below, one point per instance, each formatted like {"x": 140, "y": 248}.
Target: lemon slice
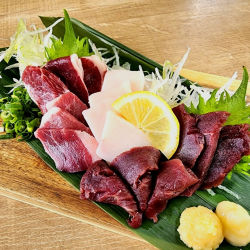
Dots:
{"x": 152, "y": 115}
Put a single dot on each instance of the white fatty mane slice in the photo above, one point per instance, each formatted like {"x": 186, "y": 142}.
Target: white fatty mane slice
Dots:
{"x": 96, "y": 116}
{"x": 77, "y": 64}
{"x": 90, "y": 143}
{"x": 123, "y": 89}
{"x": 115, "y": 78}
{"x": 119, "y": 136}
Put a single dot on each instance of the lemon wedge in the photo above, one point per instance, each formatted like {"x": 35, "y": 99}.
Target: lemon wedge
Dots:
{"x": 152, "y": 115}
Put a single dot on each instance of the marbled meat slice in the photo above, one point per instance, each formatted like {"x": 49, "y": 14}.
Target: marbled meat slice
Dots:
{"x": 191, "y": 140}
{"x": 69, "y": 69}
{"x": 234, "y": 143}
{"x": 58, "y": 118}
{"x": 94, "y": 71}
{"x": 70, "y": 103}
{"x": 72, "y": 150}
{"x": 172, "y": 179}
{"x": 101, "y": 184}
{"x": 42, "y": 86}
{"x": 135, "y": 166}
{"x": 210, "y": 125}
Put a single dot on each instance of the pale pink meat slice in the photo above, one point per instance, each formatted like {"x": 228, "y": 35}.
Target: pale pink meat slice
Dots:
{"x": 42, "y": 86}
{"x": 116, "y": 92}
{"x": 119, "y": 136}
{"x": 115, "y": 78}
{"x": 58, "y": 118}
{"x": 70, "y": 103}
{"x": 94, "y": 71}
{"x": 72, "y": 150}
{"x": 96, "y": 116}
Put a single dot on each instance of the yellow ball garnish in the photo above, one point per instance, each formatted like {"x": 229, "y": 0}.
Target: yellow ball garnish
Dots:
{"x": 200, "y": 228}
{"x": 235, "y": 223}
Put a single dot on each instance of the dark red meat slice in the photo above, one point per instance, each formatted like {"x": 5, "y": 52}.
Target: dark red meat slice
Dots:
{"x": 94, "y": 71}
{"x": 234, "y": 143}
{"x": 101, "y": 184}
{"x": 172, "y": 179}
{"x": 42, "y": 86}
{"x": 191, "y": 140}
{"x": 72, "y": 150}
{"x": 70, "y": 103}
{"x": 70, "y": 71}
{"x": 135, "y": 166}
{"x": 210, "y": 125}
{"x": 58, "y": 118}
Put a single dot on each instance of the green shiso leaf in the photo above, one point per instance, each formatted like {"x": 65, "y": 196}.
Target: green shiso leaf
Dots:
{"x": 70, "y": 44}
{"x": 235, "y": 105}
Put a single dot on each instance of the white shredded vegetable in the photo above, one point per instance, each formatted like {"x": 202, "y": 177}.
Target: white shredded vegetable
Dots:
{"x": 170, "y": 86}
{"x": 28, "y": 47}
{"x": 229, "y": 192}
{"x": 211, "y": 192}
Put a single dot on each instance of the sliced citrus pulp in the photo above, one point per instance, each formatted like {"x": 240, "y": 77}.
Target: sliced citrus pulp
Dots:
{"x": 151, "y": 114}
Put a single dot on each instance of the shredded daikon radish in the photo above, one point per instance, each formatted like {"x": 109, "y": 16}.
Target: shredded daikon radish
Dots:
{"x": 229, "y": 192}
{"x": 28, "y": 47}
{"x": 211, "y": 192}
{"x": 169, "y": 86}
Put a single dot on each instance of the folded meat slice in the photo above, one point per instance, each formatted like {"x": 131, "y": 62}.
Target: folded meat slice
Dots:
{"x": 96, "y": 116}
{"x": 58, "y": 118}
{"x": 234, "y": 143}
{"x": 94, "y": 70}
{"x": 72, "y": 150}
{"x": 123, "y": 89}
{"x": 135, "y": 166}
{"x": 69, "y": 69}
{"x": 191, "y": 141}
{"x": 119, "y": 136}
{"x": 42, "y": 86}
{"x": 210, "y": 125}
{"x": 172, "y": 179}
{"x": 101, "y": 184}
{"x": 115, "y": 78}
{"x": 70, "y": 103}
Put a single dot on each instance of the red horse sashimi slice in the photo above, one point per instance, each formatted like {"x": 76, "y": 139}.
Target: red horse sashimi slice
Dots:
{"x": 135, "y": 166}
{"x": 172, "y": 179}
{"x": 210, "y": 125}
{"x": 58, "y": 118}
{"x": 191, "y": 140}
{"x": 233, "y": 144}
{"x": 72, "y": 150}
{"x": 101, "y": 184}
{"x": 42, "y": 86}
{"x": 70, "y": 71}
{"x": 94, "y": 71}
{"x": 70, "y": 103}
